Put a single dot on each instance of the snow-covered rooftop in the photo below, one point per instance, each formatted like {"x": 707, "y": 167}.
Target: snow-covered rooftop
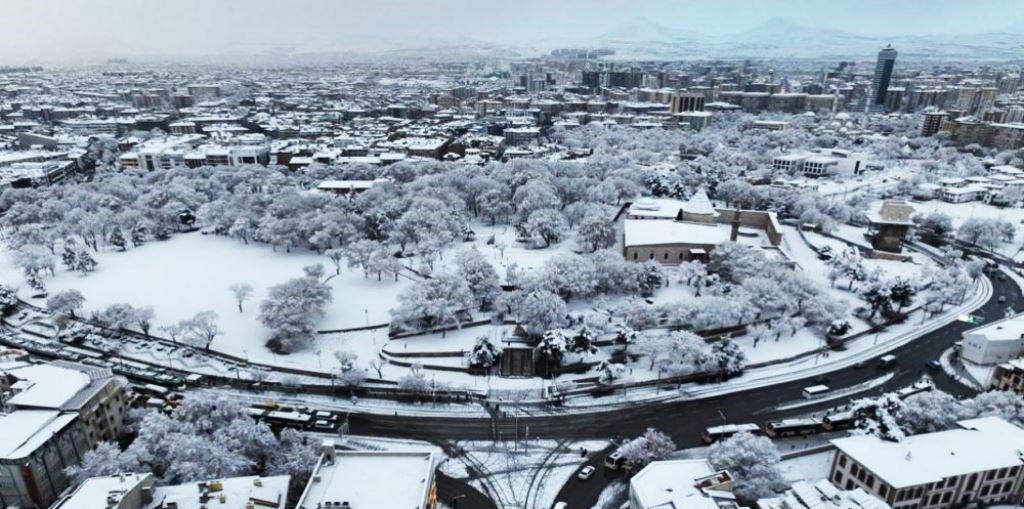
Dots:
{"x": 99, "y": 492}
{"x": 672, "y": 484}
{"x": 822, "y": 495}
{"x": 1005, "y": 329}
{"x": 355, "y": 477}
{"x": 47, "y": 386}
{"x": 24, "y": 431}
{"x": 987, "y": 443}
{"x": 232, "y": 493}
{"x": 640, "y": 232}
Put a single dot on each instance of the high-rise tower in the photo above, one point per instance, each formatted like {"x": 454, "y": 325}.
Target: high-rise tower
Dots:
{"x": 883, "y": 74}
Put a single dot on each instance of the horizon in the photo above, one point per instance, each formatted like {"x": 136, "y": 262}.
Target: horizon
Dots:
{"x": 44, "y": 32}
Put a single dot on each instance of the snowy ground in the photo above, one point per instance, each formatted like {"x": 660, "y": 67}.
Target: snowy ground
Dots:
{"x": 520, "y": 475}
{"x": 811, "y": 468}
{"x": 191, "y": 273}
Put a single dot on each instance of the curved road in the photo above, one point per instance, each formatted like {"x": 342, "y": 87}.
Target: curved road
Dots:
{"x": 684, "y": 420}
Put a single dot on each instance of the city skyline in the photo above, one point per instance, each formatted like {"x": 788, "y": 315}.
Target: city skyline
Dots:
{"x": 190, "y": 28}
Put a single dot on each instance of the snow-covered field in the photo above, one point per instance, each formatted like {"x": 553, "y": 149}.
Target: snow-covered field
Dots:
{"x": 191, "y": 273}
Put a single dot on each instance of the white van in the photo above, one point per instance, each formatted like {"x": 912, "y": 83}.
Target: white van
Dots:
{"x": 815, "y": 391}
{"x": 559, "y": 505}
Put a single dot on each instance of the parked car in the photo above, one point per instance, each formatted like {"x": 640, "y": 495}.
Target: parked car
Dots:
{"x": 861, "y": 365}
{"x": 586, "y": 473}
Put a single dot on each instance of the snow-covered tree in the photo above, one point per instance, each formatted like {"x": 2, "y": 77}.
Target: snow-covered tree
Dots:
{"x": 105, "y": 460}
{"x": 349, "y": 372}
{"x": 729, "y": 356}
{"x": 241, "y": 293}
{"x": 116, "y": 316}
{"x": 435, "y": 301}
{"x": 480, "y": 275}
{"x": 753, "y": 462}
{"x": 485, "y": 353}
{"x": 295, "y": 455}
{"x": 540, "y": 311}
{"x": 878, "y": 295}
{"x": 931, "y": 411}
{"x": 880, "y": 417}
{"x": 65, "y": 302}
{"x": 553, "y": 346}
{"x": 200, "y": 330}
{"x": 84, "y": 262}
{"x": 1004, "y": 404}
{"x": 901, "y": 292}
{"x": 117, "y": 240}
{"x": 933, "y": 223}
{"x": 35, "y": 259}
{"x": 143, "y": 317}
{"x": 548, "y": 224}
{"x": 986, "y": 232}
{"x": 293, "y": 309}
{"x": 596, "y": 232}
{"x": 582, "y": 341}
{"x": 608, "y": 372}
{"x": 641, "y": 451}
{"x": 415, "y": 382}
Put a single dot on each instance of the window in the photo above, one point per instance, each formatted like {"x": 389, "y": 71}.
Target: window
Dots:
{"x": 842, "y": 460}
{"x": 883, "y": 490}
{"x": 634, "y": 255}
{"x": 972, "y": 481}
{"x": 849, "y": 484}
{"x": 838, "y": 478}
{"x": 984, "y": 491}
{"x": 854, "y": 469}
{"x": 935, "y": 499}
{"x": 665, "y": 257}
{"x": 651, "y": 257}
{"x": 947, "y": 497}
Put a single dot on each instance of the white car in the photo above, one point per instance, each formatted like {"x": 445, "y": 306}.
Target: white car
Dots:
{"x": 586, "y": 473}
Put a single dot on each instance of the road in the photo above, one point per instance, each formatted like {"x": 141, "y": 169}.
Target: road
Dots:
{"x": 684, "y": 420}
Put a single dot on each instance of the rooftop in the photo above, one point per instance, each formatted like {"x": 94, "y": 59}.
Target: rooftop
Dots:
{"x": 232, "y": 493}
{"x": 1005, "y": 329}
{"x": 639, "y": 232}
{"x": 355, "y": 477}
{"x": 822, "y": 495}
{"x": 673, "y": 484}
{"x": 99, "y": 492}
{"x": 981, "y": 444}
{"x": 24, "y": 431}
{"x": 47, "y": 386}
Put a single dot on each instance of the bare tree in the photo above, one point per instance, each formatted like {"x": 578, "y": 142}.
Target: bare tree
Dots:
{"x": 241, "y": 291}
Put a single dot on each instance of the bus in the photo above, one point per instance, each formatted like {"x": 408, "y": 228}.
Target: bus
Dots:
{"x": 839, "y": 421}
{"x": 815, "y": 391}
{"x": 792, "y": 428}
{"x": 716, "y": 433}
{"x": 923, "y": 385}
{"x": 886, "y": 361}
{"x": 614, "y": 461}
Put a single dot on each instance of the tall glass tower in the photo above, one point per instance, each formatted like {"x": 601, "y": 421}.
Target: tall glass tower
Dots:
{"x": 883, "y": 73}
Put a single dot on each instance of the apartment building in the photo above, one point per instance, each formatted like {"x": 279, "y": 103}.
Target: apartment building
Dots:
{"x": 979, "y": 463}
{"x": 690, "y": 484}
{"x": 35, "y": 447}
{"x": 94, "y": 394}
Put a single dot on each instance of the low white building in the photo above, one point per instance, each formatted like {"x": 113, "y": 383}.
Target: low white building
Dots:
{"x": 996, "y": 342}
{"x": 822, "y": 495}
{"x": 122, "y": 491}
{"x": 357, "y": 479}
{"x": 980, "y": 463}
{"x": 681, "y": 484}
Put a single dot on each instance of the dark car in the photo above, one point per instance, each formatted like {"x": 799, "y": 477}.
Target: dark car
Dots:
{"x": 934, "y": 364}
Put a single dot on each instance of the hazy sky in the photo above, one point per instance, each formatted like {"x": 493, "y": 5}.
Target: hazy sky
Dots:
{"x": 68, "y": 30}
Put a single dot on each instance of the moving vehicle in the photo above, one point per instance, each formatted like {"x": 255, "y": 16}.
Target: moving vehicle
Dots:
{"x": 792, "y": 428}
{"x": 716, "y": 433}
{"x": 934, "y": 364}
{"x": 614, "y": 460}
{"x": 560, "y": 505}
{"x": 839, "y": 421}
{"x": 815, "y": 391}
{"x": 586, "y": 473}
{"x": 886, "y": 361}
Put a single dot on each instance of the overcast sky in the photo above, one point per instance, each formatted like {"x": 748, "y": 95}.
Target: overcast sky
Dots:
{"x": 67, "y": 30}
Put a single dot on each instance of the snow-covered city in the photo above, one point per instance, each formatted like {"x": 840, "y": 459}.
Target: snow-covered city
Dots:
{"x": 684, "y": 254}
